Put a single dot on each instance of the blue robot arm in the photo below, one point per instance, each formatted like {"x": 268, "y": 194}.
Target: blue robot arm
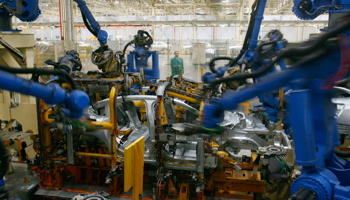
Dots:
{"x": 230, "y": 100}
{"x": 91, "y": 23}
{"x": 69, "y": 62}
{"x": 314, "y": 126}
{"x": 25, "y": 10}
{"x": 75, "y": 102}
{"x": 310, "y": 9}
{"x": 255, "y": 57}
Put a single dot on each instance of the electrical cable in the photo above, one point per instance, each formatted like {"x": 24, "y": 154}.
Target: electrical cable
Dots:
{"x": 87, "y": 24}
{"x": 342, "y": 154}
{"x": 40, "y": 71}
{"x": 249, "y": 34}
{"x": 319, "y": 10}
{"x": 127, "y": 45}
{"x": 245, "y": 76}
{"x": 212, "y": 62}
{"x": 246, "y": 39}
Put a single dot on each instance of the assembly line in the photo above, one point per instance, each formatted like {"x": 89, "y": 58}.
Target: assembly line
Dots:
{"x": 122, "y": 132}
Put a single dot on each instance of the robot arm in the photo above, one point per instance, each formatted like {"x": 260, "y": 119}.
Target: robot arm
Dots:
{"x": 230, "y": 100}
{"x": 91, "y": 23}
{"x": 75, "y": 102}
{"x": 25, "y": 10}
{"x": 310, "y": 51}
{"x": 28, "y": 10}
{"x": 310, "y": 9}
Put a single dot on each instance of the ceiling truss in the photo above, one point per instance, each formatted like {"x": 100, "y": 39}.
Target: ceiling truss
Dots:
{"x": 223, "y": 9}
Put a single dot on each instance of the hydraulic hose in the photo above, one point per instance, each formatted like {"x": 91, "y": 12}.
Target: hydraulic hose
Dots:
{"x": 127, "y": 45}
{"x": 244, "y": 76}
{"x": 88, "y": 26}
{"x": 304, "y": 194}
{"x": 248, "y": 36}
{"x": 212, "y": 62}
{"x": 41, "y": 71}
{"x": 259, "y": 47}
{"x": 317, "y": 42}
{"x": 310, "y": 46}
{"x": 4, "y": 157}
{"x": 342, "y": 154}
{"x": 245, "y": 43}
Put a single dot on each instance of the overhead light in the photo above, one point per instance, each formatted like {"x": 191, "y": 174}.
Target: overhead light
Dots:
{"x": 225, "y": 1}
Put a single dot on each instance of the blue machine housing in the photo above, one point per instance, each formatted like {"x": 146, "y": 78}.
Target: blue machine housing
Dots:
{"x": 138, "y": 59}
{"x": 27, "y": 11}
{"x": 30, "y": 10}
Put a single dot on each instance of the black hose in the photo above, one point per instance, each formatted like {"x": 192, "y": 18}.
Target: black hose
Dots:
{"x": 4, "y": 158}
{"x": 87, "y": 24}
{"x": 342, "y": 154}
{"x": 245, "y": 46}
{"x": 244, "y": 76}
{"x": 212, "y": 62}
{"x": 304, "y": 194}
{"x": 316, "y": 42}
{"x": 41, "y": 71}
{"x": 276, "y": 32}
{"x": 311, "y": 46}
{"x": 126, "y": 46}
{"x": 259, "y": 47}
{"x": 248, "y": 36}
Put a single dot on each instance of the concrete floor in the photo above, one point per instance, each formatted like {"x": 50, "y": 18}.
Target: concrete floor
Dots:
{"x": 14, "y": 180}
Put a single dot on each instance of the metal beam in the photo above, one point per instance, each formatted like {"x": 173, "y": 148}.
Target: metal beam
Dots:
{"x": 188, "y": 23}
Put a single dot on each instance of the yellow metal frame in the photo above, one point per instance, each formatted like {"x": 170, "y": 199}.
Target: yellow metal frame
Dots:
{"x": 201, "y": 107}
{"x": 41, "y": 56}
{"x": 246, "y": 104}
{"x": 48, "y": 112}
{"x": 133, "y": 167}
{"x": 184, "y": 192}
{"x": 186, "y": 98}
{"x": 112, "y": 125}
{"x": 280, "y": 95}
{"x": 94, "y": 155}
{"x": 143, "y": 110}
{"x": 85, "y": 52}
{"x": 202, "y": 72}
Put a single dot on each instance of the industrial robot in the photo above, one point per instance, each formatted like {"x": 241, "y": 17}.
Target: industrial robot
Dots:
{"x": 72, "y": 103}
{"x": 138, "y": 58}
{"x": 318, "y": 65}
{"x": 255, "y": 54}
{"x": 103, "y": 57}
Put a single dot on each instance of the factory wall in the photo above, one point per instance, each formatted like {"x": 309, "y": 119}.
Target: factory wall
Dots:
{"x": 186, "y": 34}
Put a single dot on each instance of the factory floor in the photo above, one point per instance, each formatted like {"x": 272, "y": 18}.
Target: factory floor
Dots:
{"x": 16, "y": 178}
